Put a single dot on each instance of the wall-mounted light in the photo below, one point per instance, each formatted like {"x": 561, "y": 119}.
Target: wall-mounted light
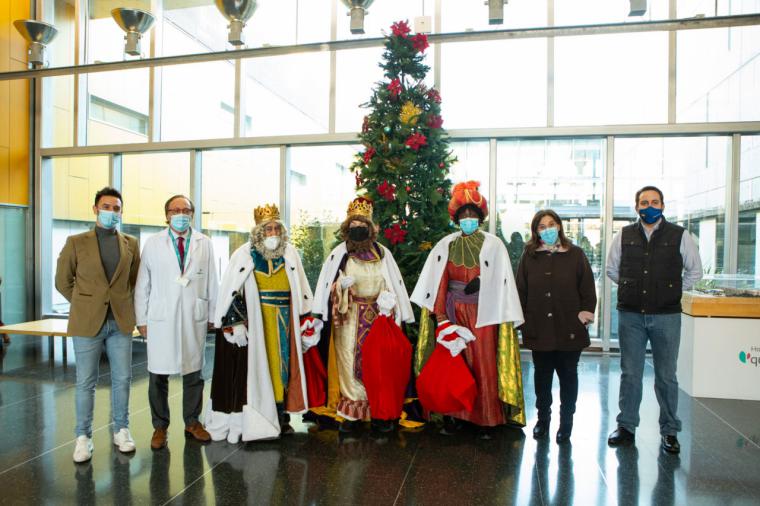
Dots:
{"x": 358, "y": 8}
{"x": 237, "y": 12}
{"x": 135, "y": 22}
{"x": 38, "y": 35}
{"x": 496, "y": 11}
{"x": 638, "y": 8}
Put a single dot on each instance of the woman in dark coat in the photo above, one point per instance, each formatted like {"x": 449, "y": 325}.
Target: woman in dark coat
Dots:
{"x": 558, "y": 296}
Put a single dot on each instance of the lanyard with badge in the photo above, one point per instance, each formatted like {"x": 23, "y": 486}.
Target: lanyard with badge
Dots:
{"x": 182, "y": 280}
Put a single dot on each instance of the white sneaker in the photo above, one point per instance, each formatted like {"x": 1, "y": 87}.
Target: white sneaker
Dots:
{"x": 83, "y": 450}
{"x": 123, "y": 440}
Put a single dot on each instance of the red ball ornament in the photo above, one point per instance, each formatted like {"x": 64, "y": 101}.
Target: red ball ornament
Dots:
{"x": 441, "y": 165}
{"x": 408, "y": 188}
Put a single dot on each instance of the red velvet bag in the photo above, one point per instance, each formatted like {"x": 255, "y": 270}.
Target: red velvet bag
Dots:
{"x": 446, "y": 384}
{"x": 386, "y": 368}
{"x": 316, "y": 378}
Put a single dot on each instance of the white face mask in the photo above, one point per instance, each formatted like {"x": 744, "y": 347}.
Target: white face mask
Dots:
{"x": 271, "y": 242}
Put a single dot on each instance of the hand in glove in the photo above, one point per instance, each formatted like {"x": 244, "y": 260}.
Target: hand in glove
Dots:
{"x": 473, "y": 286}
{"x": 453, "y": 337}
{"x": 237, "y": 334}
{"x": 346, "y": 281}
{"x": 386, "y": 301}
{"x": 311, "y": 329}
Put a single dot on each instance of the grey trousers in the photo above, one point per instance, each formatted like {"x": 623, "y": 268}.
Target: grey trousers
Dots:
{"x": 158, "y": 396}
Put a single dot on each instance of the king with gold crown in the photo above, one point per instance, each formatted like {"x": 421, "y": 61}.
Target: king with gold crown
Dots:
{"x": 359, "y": 280}
{"x": 265, "y": 327}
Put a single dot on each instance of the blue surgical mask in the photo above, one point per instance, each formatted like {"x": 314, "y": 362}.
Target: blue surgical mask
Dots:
{"x": 549, "y": 236}
{"x": 650, "y": 214}
{"x": 108, "y": 219}
{"x": 469, "y": 225}
{"x": 180, "y": 222}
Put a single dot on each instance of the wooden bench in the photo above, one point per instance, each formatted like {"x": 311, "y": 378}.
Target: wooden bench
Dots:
{"x": 51, "y": 327}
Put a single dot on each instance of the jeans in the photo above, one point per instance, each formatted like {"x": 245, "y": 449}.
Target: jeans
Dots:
{"x": 566, "y": 365}
{"x": 663, "y": 331}
{"x": 87, "y": 352}
{"x": 158, "y": 396}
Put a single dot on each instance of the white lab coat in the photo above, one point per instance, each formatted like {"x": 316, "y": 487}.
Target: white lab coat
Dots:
{"x": 177, "y": 316}
{"x": 498, "y": 300}
{"x": 391, "y": 273}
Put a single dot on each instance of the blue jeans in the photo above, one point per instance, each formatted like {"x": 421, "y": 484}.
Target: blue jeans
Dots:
{"x": 663, "y": 331}
{"x": 87, "y": 352}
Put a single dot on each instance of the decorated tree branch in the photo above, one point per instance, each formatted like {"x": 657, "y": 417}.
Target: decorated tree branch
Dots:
{"x": 405, "y": 163}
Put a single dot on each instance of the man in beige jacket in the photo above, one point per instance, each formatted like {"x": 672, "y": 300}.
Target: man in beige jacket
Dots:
{"x": 97, "y": 271}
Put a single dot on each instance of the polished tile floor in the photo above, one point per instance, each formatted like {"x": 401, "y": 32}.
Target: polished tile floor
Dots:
{"x": 719, "y": 462}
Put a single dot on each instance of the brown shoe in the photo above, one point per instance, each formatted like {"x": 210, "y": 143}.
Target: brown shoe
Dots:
{"x": 158, "y": 440}
{"x": 197, "y": 432}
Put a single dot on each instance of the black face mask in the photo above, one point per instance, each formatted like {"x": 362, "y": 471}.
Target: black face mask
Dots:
{"x": 358, "y": 234}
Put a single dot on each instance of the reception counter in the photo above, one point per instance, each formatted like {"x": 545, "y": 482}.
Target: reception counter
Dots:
{"x": 719, "y": 355}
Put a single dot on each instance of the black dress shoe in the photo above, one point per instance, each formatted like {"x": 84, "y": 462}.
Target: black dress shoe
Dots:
{"x": 286, "y": 429}
{"x": 451, "y": 426}
{"x": 621, "y": 436}
{"x": 563, "y": 434}
{"x": 541, "y": 430}
{"x": 485, "y": 433}
{"x": 670, "y": 444}
{"x": 348, "y": 426}
{"x": 383, "y": 426}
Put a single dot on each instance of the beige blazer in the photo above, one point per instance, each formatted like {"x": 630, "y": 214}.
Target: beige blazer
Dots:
{"x": 80, "y": 278}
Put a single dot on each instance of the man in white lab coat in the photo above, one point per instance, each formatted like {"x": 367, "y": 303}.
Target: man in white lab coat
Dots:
{"x": 175, "y": 298}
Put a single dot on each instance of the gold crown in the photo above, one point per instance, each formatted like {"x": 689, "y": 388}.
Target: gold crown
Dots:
{"x": 360, "y": 207}
{"x": 266, "y": 213}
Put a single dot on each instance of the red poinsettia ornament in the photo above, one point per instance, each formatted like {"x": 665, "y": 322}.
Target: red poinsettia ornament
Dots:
{"x": 387, "y": 191}
{"x": 395, "y": 88}
{"x": 395, "y": 234}
{"x": 416, "y": 141}
{"x": 420, "y": 42}
{"x": 434, "y": 121}
{"x": 400, "y": 28}
{"x": 434, "y": 95}
{"x": 368, "y": 155}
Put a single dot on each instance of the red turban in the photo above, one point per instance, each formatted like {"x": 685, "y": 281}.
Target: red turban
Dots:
{"x": 467, "y": 193}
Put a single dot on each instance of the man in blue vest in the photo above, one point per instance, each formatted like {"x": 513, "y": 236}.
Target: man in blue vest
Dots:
{"x": 652, "y": 261}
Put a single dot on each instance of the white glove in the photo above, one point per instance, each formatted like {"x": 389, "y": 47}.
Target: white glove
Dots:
{"x": 455, "y": 347}
{"x": 311, "y": 329}
{"x": 386, "y": 301}
{"x": 238, "y": 335}
{"x": 346, "y": 282}
{"x": 458, "y": 344}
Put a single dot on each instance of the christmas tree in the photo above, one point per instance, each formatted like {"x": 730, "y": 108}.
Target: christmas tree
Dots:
{"x": 405, "y": 163}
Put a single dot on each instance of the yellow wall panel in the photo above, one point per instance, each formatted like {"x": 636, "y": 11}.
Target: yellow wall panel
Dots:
{"x": 19, "y": 139}
{"x": 5, "y": 34}
{"x": 19, "y": 9}
{"x": 14, "y": 108}
{"x": 5, "y": 113}
{"x": 75, "y": 182}
{"x": 4, "y": 175}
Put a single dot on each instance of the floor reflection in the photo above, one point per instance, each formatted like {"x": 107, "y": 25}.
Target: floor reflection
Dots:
{"x": 719, "y": 464}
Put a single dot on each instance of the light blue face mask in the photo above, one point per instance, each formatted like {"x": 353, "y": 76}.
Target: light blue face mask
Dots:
{"x": 108, "y": 219}
{"x": 549, "y": 235}
{"x": 469, "y": 225}
{"x": 180, "y": 222}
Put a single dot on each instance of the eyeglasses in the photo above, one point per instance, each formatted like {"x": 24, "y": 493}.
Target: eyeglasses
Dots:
{"x": 180, "y": 211}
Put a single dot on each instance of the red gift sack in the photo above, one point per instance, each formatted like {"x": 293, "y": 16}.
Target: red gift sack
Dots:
{"x": 386, "y": 368}
{"x": 316, "y": 378}
{"x": 445, "y": 384}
